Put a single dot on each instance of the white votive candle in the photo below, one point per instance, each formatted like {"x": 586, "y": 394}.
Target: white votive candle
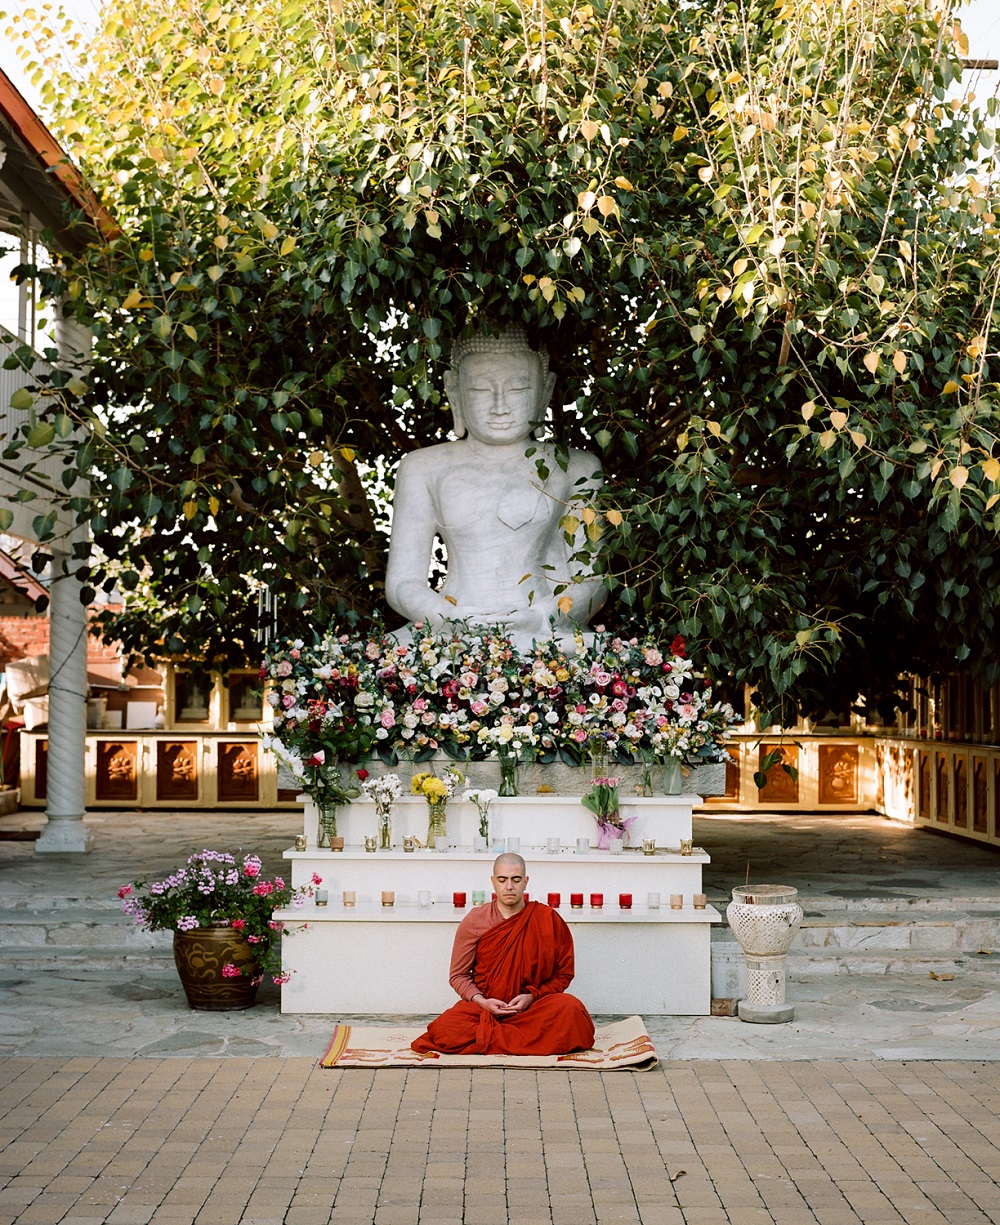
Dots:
{"x": 423, "y": 897}
{"x": 653, "y": 901}
{"x": 582, "y": 846}
{"x": 552, "y": 845}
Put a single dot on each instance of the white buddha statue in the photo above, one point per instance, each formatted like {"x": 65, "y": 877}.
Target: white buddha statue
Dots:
{"x": 497, "y": 515}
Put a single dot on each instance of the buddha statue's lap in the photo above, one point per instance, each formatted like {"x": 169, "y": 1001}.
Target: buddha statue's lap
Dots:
{"x": 496, "y": 509}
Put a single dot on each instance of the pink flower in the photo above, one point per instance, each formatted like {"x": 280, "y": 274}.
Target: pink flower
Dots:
{"x": 387, "y": 719}
{"x": 295, "y": 653}
{"x": 254, "y": 939}
{"x": 125, "y": 890}
{"x": 231, "y": 971}
{"x": 263, "y": 889}
{"x": 284, "y": 668}
{"x": 287, "y": 701}
{"x": 316, "y": 879}
{"x": 281, "y": 979}
{"x": 478, "y": 707}
{"x": 652, "y": 657}
{"x": 317, "y": 758}
{"x": 579, "y": 735}
{"x": 237, "y": 925}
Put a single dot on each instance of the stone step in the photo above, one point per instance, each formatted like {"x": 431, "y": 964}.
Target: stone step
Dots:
{"x": 804, "y": 964}
{"x": 942, "y": 931}
{"x": 75, "y": 927}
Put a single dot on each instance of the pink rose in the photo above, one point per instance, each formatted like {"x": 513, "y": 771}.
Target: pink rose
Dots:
{"x": 387, "y": 719}
{"x": 579, "y": 735}
{"x": 287, "y": 700}
{"x": 478, "y": 707}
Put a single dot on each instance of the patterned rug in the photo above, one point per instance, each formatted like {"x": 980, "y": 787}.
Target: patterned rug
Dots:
{"x": 622, "y": 1045}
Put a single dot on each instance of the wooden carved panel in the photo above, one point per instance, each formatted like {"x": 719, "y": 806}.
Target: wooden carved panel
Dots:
{"x": 781, "y": 788}
{"x": 980, "y": 795}
{"x": 732, "y": 792}
{"x": 880, "y": 768}
{"x": 237, "y": 773}
{"x": 838, "y": 773}
{"x": 177, "y": 770}
{"x": 925, "y": 786}
{"x": 943, "y": 813}
{"x": 961, "y": 792}
{"x": 41, "y": 769}
{"x": 117, "y": 770}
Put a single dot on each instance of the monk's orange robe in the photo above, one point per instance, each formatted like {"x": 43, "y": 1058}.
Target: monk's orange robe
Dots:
{"x": 530, "y": 952}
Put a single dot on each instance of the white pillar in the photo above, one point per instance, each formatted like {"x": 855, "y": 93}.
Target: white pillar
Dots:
{"x": 66, "y": 787}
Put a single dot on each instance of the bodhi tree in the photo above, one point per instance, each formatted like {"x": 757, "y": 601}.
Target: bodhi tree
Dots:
{"x": 758, "y": 240}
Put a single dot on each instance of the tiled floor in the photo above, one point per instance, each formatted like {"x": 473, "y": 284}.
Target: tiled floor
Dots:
{"x": 279, "y": 1142}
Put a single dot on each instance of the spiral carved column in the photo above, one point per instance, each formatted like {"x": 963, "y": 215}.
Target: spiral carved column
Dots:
{"x": 65, "y": 830}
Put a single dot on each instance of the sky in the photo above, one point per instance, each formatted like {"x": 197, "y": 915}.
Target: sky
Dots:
{"x": 980, "y": 18}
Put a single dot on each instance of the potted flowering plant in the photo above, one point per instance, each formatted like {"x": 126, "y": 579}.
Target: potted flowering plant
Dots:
{"x": 219, "y": 907}
{"x": 602, "y": 800}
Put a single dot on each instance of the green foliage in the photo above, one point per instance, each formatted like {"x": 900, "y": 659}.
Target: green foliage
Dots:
{"x": 759, "y": 244}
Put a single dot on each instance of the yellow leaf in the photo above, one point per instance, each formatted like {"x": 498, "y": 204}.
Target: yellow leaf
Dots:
{"x": 189, "y": 331}
{"x": 221, "y": 241}
{"x": 190, "y": 509}
{"x": 622, "y": 182}
{"x": 451, "y": 600}
{"x": 614, "y": 517}
{"x": 991, "y": 470}
{"x": 871, "y": 362}
{"x": 992, "y": 500}
{"x": 705, "y": 173}
{"x": 589, "y": 129}
{"x": 529, "y": 278}
{"x": 808, "y": 409}
{"x": 714, "y": 428}
{"x": 544, "y": 789}
{"x": 76, "y": 386}
{"x": 950, "y": 387}
{"x": 808, "y": 209}
{"x": 588, "y": 514}
{"x": 958, "y": 476}
{"x": 936, "y": 468}
{"x": 146, "y": 254}
{"x": 665, "y": 89}
{"x": 594, "y": 532}
{"x": 213, "y": 504}
{"x": 740, "y": 267}
{"x": 591, "y": 225}
{"x": 827, "y": 439}
{"x": 586, "y": 200}
{"x": 838, "y": 419}
{"x": 269, "y": 229}
{"x": 802, "y": 637}
{"x": 564, "y": 604}
{"x": 606, "y": 206}
{"x": 679, "y": 134}
{"x": 348, "y": 454}
{"x": 133, "y": 299}
{"x": 569, "y": 524}
{"x": 287, "y": 245}
{"x": 315, "y": 459}
{"x": 899, "y": 361}
{"x": 858, "y": 438}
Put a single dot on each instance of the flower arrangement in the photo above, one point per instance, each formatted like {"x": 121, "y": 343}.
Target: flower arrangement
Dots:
{"x": 383, "y": 792}
{"x": 437, "y": 792}
{"x": 319, "y": 778}
{"x": 602, "y": 800}
{"x": 482, "y": 797}
{"x": 475, "y": 696}
{"x": 218, "y": 889}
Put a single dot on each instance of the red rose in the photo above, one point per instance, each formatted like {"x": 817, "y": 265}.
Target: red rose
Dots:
{"x": 362, "y": 774}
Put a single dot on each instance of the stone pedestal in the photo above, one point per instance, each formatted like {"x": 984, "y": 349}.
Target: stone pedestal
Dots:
{"x": 764, "y": 919}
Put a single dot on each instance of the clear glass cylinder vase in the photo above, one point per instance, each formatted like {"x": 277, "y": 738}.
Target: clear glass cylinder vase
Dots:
{"x": 437, "y": 822}
{"x": 508, "y": 776}
{"x": 385, "y": 831}
{"x": 327, "y": 827}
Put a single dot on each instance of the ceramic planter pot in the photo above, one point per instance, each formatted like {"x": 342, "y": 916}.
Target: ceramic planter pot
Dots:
{"x": 200, "y": 955}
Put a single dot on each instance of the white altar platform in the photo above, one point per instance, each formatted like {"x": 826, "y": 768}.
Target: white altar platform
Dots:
{"x": 371, "y": 958}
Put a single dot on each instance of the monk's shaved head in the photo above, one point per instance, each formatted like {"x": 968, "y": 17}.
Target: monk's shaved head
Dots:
{"x": 509, "y": 860}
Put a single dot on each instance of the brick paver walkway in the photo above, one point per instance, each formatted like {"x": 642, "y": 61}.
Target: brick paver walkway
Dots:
{"x": 280, "y": 1142}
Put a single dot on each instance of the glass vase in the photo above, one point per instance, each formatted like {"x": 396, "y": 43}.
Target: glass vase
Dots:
{"x": 508, "y": 776}
{"x": 437, "y": 823}
{"x": 327, "y": 828}
{"x": 673, "y": 779}
{"x": 597, "y": 755}
{"x": 647, "y": 778}
{"x": 385, "y": 831}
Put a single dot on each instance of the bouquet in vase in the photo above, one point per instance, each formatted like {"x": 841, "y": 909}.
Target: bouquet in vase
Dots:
{"x": 602, "y": 800}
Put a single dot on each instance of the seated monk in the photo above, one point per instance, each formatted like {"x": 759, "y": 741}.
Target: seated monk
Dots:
{"x": 511, "y": 964}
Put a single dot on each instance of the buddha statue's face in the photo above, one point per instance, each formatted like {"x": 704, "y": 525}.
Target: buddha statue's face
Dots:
{"x": 501, "y": 396}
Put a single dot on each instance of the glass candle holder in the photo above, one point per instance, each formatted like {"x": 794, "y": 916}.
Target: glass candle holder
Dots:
{"x": 652, "y": 901}
{"x": 409, "y": 843}
{"x": 649, "y": 846}
{"x": 616, "y": 846}
{"x": 423, "y": 897}
{"x": 350, "y": 897}
{"x": 700, "y": 901}
{"x": 388, "y": 897}
{"x": 513, "y": 846}
{"x": 554, "y": 899}
{"x": 596, "y": 901}
{"x": 478, "y": 897}
{"x": 677, "y": 901}
{"x": 553, "y": 846}
{"x": 687, "y": 846}
{"x": 371, "y": 845}
{"x": 624, "y": 901}
{"x": 300, "y": 842}
{"x": 458, "y": 900}
{"x": 576, "y": 901}
{"x": 582, "y": 846}
{"x": 322, "y": 897}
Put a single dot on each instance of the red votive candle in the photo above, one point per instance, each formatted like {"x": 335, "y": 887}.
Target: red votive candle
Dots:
{"x": 458, "y": 899}
{"x": 596, "y": 901}
{"x": 555, "y": 899}
{"x": 576, "y": 901}
{"x": 625, "y": 901}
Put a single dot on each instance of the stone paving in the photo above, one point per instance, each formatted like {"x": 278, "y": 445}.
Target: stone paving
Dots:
{"x": 880, "y": 1103}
